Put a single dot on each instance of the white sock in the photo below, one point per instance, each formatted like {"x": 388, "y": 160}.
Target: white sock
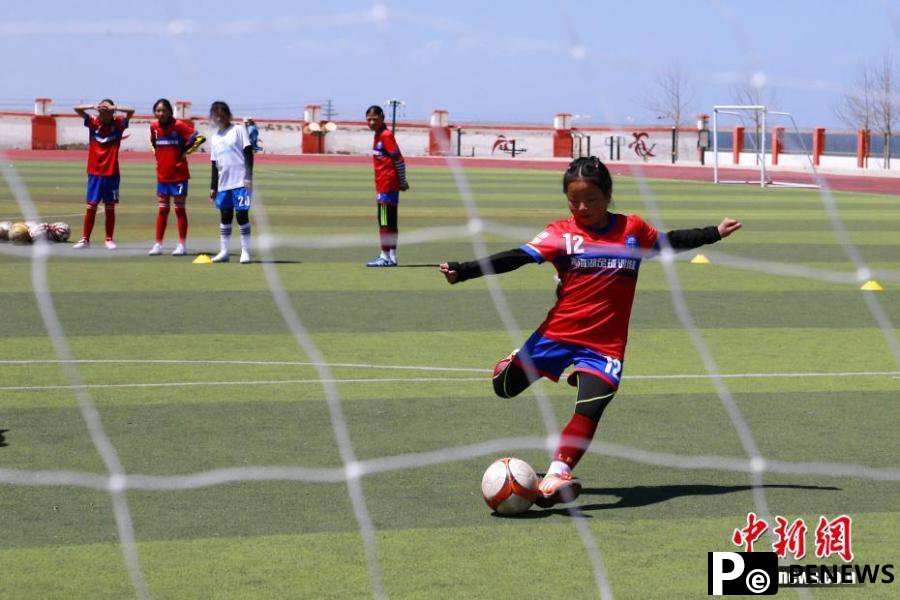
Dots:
{"x": 224, "y": 236}
{"x": 385, "y": 255}
{"x": 558, "y": 467}
{"x": 245, "y": 237}
{"x": 392, "y": 254}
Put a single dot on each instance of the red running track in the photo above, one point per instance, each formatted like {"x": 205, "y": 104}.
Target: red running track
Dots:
{"x": 844, "y": 183}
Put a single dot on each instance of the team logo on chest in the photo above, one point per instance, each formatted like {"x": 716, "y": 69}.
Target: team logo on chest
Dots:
{"x": 614, "y": 262}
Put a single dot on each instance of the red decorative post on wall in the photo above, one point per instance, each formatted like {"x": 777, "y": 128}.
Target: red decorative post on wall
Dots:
{"x": 43, "y": 126}
{"x": 439, "y": 133}
{"x": 310, "y": 136}
{"x": 562, "y": 135}
{"x": 737, "y": 144}
{"x": 818, "y": 144}
{"x": 862, "y": 147}
{"x": 777, "y": 144}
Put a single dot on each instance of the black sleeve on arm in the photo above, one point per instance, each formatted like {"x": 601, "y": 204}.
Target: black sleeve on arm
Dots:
{"x": 502, "y": 262}
{"x": 687, "y": 239}
{"x": 214, "y": 182}
{"x": 248, "y": 162}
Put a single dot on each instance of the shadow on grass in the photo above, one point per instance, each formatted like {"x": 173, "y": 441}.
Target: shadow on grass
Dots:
{"x": 254, "y": 262}
{"x": 421, "y": 266}
{"x": 276, "y": 262}
{"x": 2, "y": 439}
{"x": 641, "y": 495}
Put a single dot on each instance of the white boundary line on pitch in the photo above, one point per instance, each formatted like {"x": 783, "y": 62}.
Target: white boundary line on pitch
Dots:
{"x": 27, "y": 388}
{"x": 438, "y": 369}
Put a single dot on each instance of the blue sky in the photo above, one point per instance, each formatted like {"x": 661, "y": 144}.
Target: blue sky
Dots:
{"x": 517, "y": 61}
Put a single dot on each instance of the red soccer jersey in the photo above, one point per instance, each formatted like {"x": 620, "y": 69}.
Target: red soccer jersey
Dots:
{"x": 169, "y": 142}
{"x": 598, "y": 272}
{"x": 385, "y": 152}
{"x": 103, "y": 145}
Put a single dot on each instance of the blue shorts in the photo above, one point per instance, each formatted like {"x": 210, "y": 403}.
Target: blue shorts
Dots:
{"x": 388, "y": 197}
{"x": 176, "y": 189}
{"x": 238, "y": 199}
{"x": 102, "y": 188}
{"x": 551, "y": 358}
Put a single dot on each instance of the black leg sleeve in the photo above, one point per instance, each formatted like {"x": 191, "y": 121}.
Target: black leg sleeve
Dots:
{"x": 227, "y": 215}
{"x": 594, "y": 395}
{"x": 392, "y": 216}
{"x": 243, "y": 217}
{"x": 513, "y": 380}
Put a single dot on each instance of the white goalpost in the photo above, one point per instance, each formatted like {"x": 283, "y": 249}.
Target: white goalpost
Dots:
{"x": 758, "y": 113}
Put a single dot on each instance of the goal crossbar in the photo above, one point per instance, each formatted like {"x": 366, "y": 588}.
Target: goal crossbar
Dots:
{"x": 761, "y": 112}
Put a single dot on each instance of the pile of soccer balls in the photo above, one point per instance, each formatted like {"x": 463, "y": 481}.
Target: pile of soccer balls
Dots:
{"x": 28, "y": 232}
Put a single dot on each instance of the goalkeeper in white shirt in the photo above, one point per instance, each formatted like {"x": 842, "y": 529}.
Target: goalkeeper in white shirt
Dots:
{"x": 232, "y": 178}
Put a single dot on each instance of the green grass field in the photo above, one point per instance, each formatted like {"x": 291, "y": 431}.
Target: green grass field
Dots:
{"x": 436, "y": 539}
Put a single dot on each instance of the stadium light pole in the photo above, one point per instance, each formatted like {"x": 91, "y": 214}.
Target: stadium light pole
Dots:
{"x": 394, "y": 104}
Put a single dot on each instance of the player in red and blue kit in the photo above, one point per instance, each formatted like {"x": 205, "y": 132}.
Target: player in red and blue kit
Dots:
{"x": 390, "y": 180}
{"x": 172, "y": 140}
{"x": 597, "y": 255}
{"x": 104, "y": 138}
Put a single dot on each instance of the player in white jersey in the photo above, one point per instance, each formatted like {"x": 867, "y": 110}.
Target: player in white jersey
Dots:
{"x": 231, "y": 154}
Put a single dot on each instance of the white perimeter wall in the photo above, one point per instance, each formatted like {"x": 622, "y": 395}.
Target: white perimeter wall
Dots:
{"x": 284, "y": 137}
{"x": 15, "y": 132}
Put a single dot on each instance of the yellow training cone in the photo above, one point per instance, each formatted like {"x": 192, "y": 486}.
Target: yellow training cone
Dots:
{"x": 872, "y": 286}
{"x": 700, "y": 260}
{"x": 202, "y": 259}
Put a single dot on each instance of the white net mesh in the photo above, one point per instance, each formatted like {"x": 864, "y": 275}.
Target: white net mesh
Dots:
{"x": 117, "y": 482}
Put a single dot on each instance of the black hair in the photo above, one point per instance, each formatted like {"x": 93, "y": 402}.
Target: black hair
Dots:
{"x": 165, "y": 103}
{"x": 218, "y": 104}
{"x": 591, "y": 169}
{"x": 375, "y": 110}
{"x": 108, "y": 101}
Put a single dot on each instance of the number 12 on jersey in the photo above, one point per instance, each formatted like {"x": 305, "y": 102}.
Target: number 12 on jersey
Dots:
{"x": 573, "y": 243}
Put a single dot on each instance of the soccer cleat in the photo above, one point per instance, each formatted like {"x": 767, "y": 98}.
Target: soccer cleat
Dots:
{"x": 156, "y": 250}
{"x": 557, "y": 488}
{"x": 221, "y": 257}
{"x": 381, "y": 262}
{"x": 81, "y": 244}
{"x": 110, "y": 245}
{"x": 245, "y": 257}
{"x": 179, "y": 250}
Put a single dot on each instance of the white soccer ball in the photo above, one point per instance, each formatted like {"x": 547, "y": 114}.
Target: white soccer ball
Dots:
{"x": 509, "y": 486}
{"x": 59, "y": 232}
{"x": 37, "y": 231}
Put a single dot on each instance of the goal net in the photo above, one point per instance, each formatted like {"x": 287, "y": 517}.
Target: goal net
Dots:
{"x": 751, "y": 137}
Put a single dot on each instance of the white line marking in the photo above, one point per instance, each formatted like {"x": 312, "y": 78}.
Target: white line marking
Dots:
{"x": 26, "y": 388}
{"x": 287, "y": 363}
{"x": 43, "y": 217}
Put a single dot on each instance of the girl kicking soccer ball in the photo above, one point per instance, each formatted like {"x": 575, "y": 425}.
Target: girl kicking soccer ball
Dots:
{"x": 232, "y": 178}
{"x": 597, "y": 254}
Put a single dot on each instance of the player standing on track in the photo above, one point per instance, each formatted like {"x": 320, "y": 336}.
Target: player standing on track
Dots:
{"x": 597, "y": 255}
{"x": 104, "y": 138}
{"x": 231, "y": 154}
{"x": 390, "y": 180}
{"x": 172, "y": 140}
